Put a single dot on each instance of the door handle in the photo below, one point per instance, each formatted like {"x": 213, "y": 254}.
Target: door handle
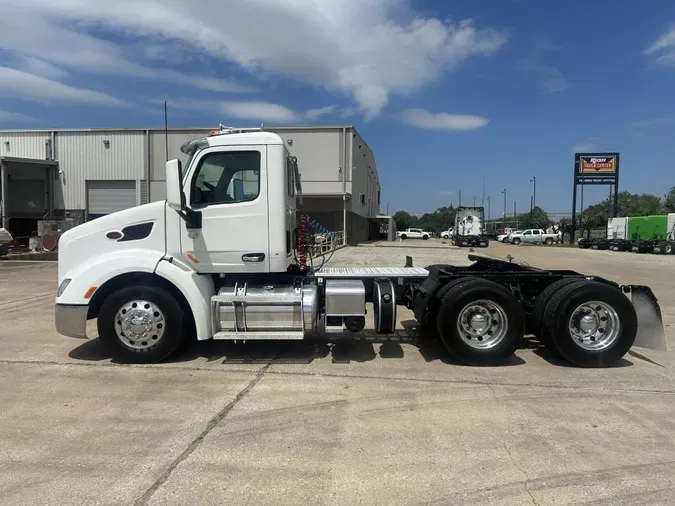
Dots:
{"x": 253, "y": 257}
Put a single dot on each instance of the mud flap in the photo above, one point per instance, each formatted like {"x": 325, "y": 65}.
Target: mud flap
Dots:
{"x": 651, "y": 333}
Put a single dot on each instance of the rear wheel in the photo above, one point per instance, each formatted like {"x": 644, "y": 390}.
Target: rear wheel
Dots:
{"x": 549, "y": 240}
{"x": 425, "y": 237}
{"x": 590, "y": 324}
{"x": 480, "y": 322}
{"x": 540, "y": 304}
{"x": 668, "y": 250}
{"x": 142, "y": 324}
{"x": 404, "y": 237}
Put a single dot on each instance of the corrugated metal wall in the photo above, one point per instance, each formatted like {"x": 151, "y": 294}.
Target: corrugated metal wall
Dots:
{"x": 24, "y": 144}
{"x": 84, "y": 156}
{"x": 158, "y": 150}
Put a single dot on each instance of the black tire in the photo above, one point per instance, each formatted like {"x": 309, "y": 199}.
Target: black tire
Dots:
{"x": 669, "y": 248}
{"x": 560, "y": 311}
{"x": 404, "y": 237}
{"x": 549, "y": 241}
{"x": 425, "y": 237}
{"x": 173, "y": 324}
{"x": 516, "y": 241}
{"x": 446, "y": 236}
{"x": 540, "y": 304}
{"x": 460, "y": 295}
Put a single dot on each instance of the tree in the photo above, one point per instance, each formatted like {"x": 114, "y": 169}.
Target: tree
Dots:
{"x": 669, "y": 201}
{"x": 404, "y": 220}
{"x": 537, "y": 218}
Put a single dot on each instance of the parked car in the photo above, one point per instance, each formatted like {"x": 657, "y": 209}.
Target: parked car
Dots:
{"x": 414, "y": 233}
{"x": 447, "y": 234}
{"x": 533, "y": 236}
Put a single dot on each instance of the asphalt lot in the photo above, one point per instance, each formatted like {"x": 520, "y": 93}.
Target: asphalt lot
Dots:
{"x": 354, "y": 422}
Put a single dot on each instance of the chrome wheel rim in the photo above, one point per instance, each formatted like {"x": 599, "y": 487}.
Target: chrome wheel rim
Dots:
{"x": 139, "y": 324}
{"x": 482, "y": 324}
{"x": 594, "y": 326}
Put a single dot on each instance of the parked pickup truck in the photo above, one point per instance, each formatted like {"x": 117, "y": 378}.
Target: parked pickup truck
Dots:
{"x": 532, "y": 236}
{"x": 414, "y": 233}
{"x": 504, "y": 233}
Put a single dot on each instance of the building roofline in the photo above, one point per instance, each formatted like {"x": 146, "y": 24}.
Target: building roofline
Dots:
{"x": 33, "y": 161}
{"x": 172, "y": 129}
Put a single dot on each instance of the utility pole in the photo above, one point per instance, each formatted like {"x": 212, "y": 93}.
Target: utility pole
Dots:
{"x": 504, "y": 193}
{"x": 534, "y": 191}
{"x": 482, "y": 202}
{"x": 474, "y": 201}
{"x": 488, "y": 199}
{"x": 460, "y": 197}
{"x": 387, "y": 208}
{"x": 514, "y": 209}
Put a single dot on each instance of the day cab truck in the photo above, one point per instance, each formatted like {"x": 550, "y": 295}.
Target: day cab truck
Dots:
{"x": 469, "y": 227}
{"x": 196, "y": 266}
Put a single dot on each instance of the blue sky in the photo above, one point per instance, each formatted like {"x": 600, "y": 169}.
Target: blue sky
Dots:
{"x": 448, "y": 94}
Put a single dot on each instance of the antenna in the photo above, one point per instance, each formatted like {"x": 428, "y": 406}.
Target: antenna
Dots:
{"x": 166, "y": 130}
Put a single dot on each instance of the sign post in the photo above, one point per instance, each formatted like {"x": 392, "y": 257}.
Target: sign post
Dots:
{"x": 595, "y": 169}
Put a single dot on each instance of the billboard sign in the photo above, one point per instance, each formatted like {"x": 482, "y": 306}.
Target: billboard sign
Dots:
{"x": 596, "y": 168}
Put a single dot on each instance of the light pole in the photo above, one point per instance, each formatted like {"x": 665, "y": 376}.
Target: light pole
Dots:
{"x": 488, "y": 199}
{"x": 504, "y": 193}
{"x": 460, "y": 197}
{"x": 534, "y": 191}
{"x": 474, "y": 201}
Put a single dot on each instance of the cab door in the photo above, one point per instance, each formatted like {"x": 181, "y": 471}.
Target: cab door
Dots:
{"x": 527, "y": 236}
{"x": 228, "y": 186}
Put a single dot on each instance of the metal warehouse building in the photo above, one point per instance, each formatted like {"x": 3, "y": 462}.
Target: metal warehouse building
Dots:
{"x": 83, "y": 174}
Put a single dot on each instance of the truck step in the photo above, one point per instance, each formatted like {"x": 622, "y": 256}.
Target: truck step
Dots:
{"x": 371, "y": 272}
{"x": 259, "y": 336}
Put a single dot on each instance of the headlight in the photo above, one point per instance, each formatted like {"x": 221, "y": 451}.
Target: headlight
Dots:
{"x": 62, "y": 287}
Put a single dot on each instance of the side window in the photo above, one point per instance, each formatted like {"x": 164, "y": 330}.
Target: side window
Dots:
{"x": 226, "y": 178}
{"x": 527, "y": 232}
{"x": 535, "y": 232}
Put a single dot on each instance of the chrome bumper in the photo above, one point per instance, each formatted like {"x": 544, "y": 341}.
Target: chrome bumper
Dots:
{"x": 71, "y": 321}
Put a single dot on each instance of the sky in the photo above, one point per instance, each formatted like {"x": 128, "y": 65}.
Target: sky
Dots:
{"x": 450, "y": 95}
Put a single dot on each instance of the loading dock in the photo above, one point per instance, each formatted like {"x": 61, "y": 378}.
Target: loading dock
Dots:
{"x": 27, "y": 193}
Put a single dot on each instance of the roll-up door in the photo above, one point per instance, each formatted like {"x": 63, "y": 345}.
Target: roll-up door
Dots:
{"x": 105, "y": 197}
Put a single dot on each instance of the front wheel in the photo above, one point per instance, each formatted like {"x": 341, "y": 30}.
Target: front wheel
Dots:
{"x": 516, "y": 241}
{"x": 142, "y": 324}
{"x": 446, "y": 236}
{"x": 480, "y": 322}
{"x": 404, "y": 237}
{"x": 425, "y": 237}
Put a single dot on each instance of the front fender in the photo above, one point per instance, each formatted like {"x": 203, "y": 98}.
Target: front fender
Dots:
{"x": 197, "y": 290}
{"x": 102, "y": 269}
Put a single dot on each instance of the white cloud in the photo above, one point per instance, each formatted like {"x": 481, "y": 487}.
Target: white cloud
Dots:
{"x": 588, "y": 145}
{"x": 314, "y": 114}
{"x": 45, "y": 48}
{"x": 367, "y": 50}
{"x": 249, "y": 110}
{"x": 7, "y": 117}
{"x": 664, "y": 48}
{"x": 421, "y": 118}
{"x": 549, "y": 79}
{"x": 16, "y": 83}
{"x": 39, "y": 67}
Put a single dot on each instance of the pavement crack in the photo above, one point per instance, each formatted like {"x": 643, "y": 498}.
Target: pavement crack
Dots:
{"x": 220, "y": 416}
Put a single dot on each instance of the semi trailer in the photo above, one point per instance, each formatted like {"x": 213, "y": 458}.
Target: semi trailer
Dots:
{"x": 227, "y": 256}
{"x": 641, "y": 234}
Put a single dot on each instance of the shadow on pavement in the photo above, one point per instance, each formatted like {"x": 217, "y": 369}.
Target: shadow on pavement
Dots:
{"x": 553, "y": 359}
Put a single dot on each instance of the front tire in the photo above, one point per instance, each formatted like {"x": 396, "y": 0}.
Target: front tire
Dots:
{"x": 425, "y": 237}
{"x": 480, "y": 322}
{"x": 404, "y": 237}
{"x": 142, "y": 324}
{"x": 516, "y": 241}
{"x": 591, "y": 324}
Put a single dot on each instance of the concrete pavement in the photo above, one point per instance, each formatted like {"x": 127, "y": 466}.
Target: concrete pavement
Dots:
{"x": 366, "y": 422}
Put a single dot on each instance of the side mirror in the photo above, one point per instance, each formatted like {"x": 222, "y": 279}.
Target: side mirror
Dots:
{"x": 175, "y": 197}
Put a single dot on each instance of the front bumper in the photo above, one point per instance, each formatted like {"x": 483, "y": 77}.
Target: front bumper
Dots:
{"x": 71, "y": 320}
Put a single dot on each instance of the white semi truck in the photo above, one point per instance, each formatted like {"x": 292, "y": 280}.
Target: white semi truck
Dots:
{"x": 196, "y": 266}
